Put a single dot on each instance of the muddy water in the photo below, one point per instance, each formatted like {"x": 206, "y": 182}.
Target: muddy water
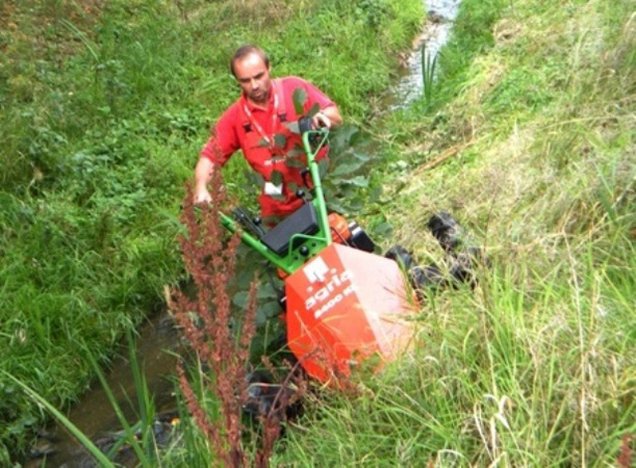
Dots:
{"x": 439, "y": 22}
{"x": 157, "y": 343}
{"x": 158, "y": 340}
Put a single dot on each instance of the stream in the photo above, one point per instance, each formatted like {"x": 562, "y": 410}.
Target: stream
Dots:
{"x": 440, "y": 16}
{"x": 158, "y": 341}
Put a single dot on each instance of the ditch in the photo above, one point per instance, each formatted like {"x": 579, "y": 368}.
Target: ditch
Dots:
{"x": 158, "y": 342}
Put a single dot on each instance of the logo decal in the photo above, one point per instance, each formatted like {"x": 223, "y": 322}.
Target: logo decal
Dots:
{"x": 327, "y": 287}
{"x": 316, "y": 271}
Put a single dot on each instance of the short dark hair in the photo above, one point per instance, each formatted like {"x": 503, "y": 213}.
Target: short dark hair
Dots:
{"x": 246, "y": 50}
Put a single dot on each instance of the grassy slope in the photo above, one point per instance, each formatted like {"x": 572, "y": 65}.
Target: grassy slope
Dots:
{"x": 104, "y": 106}
{"x": 537, "y": 366}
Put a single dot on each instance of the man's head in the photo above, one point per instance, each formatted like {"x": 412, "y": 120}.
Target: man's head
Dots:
{"x": 250, "y": 66}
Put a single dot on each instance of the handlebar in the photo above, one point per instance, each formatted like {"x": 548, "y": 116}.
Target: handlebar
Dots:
{"x": 311, "y": 150}
{"x": 320, "y": 135}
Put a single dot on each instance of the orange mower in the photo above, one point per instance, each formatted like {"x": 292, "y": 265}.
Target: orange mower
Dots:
{"x": 343, "y": 302}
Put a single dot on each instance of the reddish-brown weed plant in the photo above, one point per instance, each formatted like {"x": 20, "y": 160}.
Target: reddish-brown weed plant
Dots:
{"x": 625, "y": 457}
{"x": 205, "y": 321}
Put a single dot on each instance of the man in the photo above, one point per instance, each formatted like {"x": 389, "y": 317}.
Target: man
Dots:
{"x": 258, "y": 123}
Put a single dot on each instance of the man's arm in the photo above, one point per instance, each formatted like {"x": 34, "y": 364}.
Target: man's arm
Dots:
{"x": 329, "y": 114}
{"x": 202, "y": 176}
{"x": 216, "y": 151}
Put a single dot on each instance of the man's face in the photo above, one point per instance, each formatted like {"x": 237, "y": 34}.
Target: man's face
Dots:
{"x": 253, "y": 76}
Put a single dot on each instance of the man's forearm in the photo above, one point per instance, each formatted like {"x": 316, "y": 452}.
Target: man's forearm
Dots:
{"x": 202, "y": 176}
{"x": 203, "y": 172}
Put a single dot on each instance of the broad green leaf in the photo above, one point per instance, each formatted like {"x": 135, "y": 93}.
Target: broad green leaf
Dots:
{"x": 295, "y": 153}
{"x": 280, "y": 140}
{"x": 336, "y": 206}
{"x": 254, "y": 178}
{"x": 314, "y": 110}
{"x": 300, "y": 98}
{"x": 240, "y": 299}
{"x": 356, "y": 205}
{"x": 266, "y": 311}
{"x": 295, "y": 162}
{"x": 358, "y": 137}
{"x": 341, "y": 136}
{"x": 347, "y": 169}
{"x": 364, "y": 157}
{"x": 382, "y": 230}
{"x": 358, "y": 181}
{"x": 276, "y": 178}
{"x": 323, "y": 166}
{"x": 266, "y": 291}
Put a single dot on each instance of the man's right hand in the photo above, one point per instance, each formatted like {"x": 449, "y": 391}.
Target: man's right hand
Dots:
{"x": 201, "y": 196}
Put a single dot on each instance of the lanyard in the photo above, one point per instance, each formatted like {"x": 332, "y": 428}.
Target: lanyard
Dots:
{"x": 256, "y": 125}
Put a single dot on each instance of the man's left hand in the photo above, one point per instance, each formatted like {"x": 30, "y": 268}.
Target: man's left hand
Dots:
{"x": 321, "y": 120}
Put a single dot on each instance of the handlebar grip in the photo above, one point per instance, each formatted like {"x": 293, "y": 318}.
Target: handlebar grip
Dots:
{"x": 305, "y": 124}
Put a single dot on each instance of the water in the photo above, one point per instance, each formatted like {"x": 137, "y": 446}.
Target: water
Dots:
{"x": 439, "y": 21}
{"x": 157, "y": 346}
{"x": 157, "y": 343}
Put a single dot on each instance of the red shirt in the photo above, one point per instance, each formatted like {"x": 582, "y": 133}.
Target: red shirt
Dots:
{"x": 267, "y": 144}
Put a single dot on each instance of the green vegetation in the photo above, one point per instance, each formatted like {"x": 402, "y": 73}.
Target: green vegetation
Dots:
{"x": 528, "y": 138}
{"x": 534, "y": 113}
{"x": 428, "y": 74}
{"x": 104, "y": 107}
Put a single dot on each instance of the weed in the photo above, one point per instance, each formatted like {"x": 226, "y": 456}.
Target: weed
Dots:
{"x": 207, "y": 323}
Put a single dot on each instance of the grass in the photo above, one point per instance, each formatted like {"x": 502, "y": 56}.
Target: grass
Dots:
{"x": 505, "y": 377}
{"x": 85, "y": 441}
{"x": 104, "y": 107}
{"x": 536, "y": 366}
{"x": 533, "y": 107}
{"x": 138, "y": 440}
{"x": 428, "y": 74}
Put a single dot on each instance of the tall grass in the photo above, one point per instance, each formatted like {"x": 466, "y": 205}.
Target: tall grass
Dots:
{"x": 92, "y": 449}
{"x": 536, "y": 366}
{"x": 510, "y": 377}
{"x": 138, "y": 437}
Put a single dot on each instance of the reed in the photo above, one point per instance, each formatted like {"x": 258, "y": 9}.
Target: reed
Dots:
{"x": 429, "y": 65}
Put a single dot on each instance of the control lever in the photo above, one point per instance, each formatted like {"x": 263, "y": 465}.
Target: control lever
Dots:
{"x": 252, "y": 225}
